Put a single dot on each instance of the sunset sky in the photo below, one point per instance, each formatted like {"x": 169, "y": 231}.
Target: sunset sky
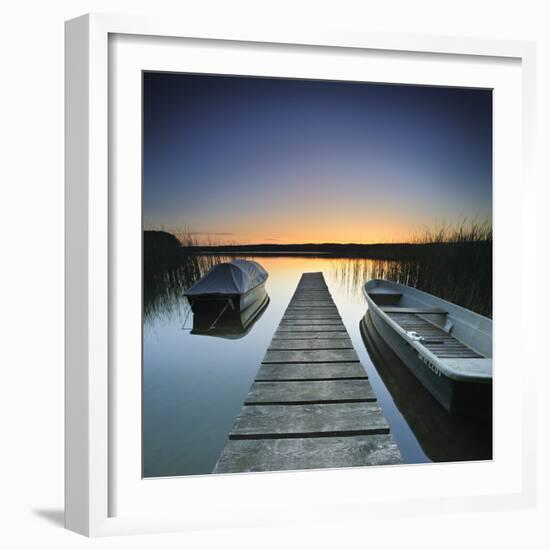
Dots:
{"x": 254, "y": 160}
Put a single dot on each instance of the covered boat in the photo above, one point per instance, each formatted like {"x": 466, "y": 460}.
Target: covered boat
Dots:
{"x": 447, "y": 347}
{"x": 235, "y": 285}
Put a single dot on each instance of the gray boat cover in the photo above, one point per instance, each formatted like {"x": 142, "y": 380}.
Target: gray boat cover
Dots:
{"x": 236, "y": 277}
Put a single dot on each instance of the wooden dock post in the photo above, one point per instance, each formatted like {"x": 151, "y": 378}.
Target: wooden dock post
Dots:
{"x": 311, "y": 405}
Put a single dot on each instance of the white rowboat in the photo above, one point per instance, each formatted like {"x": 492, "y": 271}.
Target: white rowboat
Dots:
{"x": 447, "y": 347}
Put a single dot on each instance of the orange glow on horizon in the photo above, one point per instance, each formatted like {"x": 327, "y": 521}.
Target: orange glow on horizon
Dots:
{"x": 373, "y": 234}
{"x": 312, "y": 222}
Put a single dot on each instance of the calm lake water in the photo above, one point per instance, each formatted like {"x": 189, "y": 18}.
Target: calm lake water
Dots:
{"x": 194, "y": 385}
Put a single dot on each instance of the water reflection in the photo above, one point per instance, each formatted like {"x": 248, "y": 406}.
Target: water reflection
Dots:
{"x": 443, "y": 437}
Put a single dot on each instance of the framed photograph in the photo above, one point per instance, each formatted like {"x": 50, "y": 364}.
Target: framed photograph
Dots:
{"x": 290, "y": 288}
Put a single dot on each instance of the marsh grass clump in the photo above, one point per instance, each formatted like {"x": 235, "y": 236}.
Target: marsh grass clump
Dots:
{"x": 463, "y": 232}
{"x": 452, "y": 262}
{"x": 169, "y": 269}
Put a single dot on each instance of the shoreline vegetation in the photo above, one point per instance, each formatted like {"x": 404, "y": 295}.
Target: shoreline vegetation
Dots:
{"x": 454, "y": 263}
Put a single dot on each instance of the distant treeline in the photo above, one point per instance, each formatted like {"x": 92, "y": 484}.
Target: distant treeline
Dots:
{"x": 391, "y": 251}
{"x": 164, "y": 250}
{"x": 471, "y": 235}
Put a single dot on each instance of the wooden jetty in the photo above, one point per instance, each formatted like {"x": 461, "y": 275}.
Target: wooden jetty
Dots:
{"x": 311, "y": 405}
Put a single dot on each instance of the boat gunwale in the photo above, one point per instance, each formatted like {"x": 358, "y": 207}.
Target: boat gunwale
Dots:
{"x": 438, "y": 362}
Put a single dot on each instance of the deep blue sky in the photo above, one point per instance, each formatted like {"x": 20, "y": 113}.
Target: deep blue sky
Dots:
{"x": 240, "y": 159}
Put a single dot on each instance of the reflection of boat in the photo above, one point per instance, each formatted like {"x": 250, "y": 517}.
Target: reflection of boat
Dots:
{"x": 231, "y": 324}
{"x": 448, "y": 348}
{"x": 443, "y": 437}
{"x": 233, "y": 285}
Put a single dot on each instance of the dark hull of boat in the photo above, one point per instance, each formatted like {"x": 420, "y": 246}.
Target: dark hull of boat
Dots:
{"x": 231, "y": 324}
{"x": 456, "y": 397}
{"x": 210, "y": 303}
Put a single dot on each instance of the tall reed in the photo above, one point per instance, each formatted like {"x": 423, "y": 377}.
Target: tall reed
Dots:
{"x": 169, "y": 270}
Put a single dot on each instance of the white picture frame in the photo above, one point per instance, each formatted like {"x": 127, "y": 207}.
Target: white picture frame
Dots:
{"x": 91, "y": 218}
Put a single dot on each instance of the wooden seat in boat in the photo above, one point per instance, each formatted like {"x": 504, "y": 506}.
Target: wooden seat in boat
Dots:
{"x": 414, "y": 310}
{"x": 435, "y": 338}
{"x": 384, "y": 297}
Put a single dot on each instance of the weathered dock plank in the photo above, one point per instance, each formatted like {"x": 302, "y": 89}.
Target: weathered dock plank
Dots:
{"x": 309, "y": 344}
{"x": 311, "y": 315}
{"x": 319, "y": 391}
{"x": 307, "y": 334}
{"x": 300, "y": 306}
{"x": 312, "y": 288}
{"x": 311, "y": 405}
{"x": 320, "y": 309}
{"x": 311, "y": 295}
{"x": 304, "y": 313}
{"x": 271, "y": 455}
{"x": 311, "y": 371}
{"x": 316, "y": 297}
{"x": 311, "y": 356}
{"x": 310, "y": 322}
{"x": 266, "y": 421}
{"x": 297, "y": 329}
